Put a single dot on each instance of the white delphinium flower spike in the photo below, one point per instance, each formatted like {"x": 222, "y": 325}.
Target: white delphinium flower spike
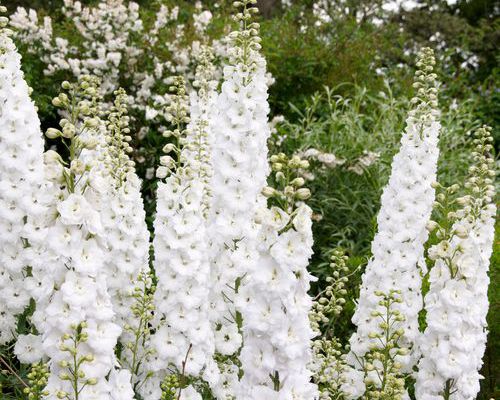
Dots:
{"x": 454, "y": 340}
{"x": 21, "y": 176}
{"x": 240, "y": 171}
{"x": 183, "y": 339}
{"x": 125, "y": 231}
{"x": 74, "y": 314}
{"x": 398, "y": 246}
{"x": 274, "y": 302}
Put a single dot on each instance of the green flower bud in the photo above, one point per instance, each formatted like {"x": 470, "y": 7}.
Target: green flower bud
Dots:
{"x": 303, "y": 194}
{"x": 53, "y": 133}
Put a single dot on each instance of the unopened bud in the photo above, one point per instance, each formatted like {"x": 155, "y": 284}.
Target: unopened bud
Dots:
{"x": 268, "y": 191}
{"x": 303, "y": 194}
{"x": 162, "y": 172}
{"x": 53, "y": 133}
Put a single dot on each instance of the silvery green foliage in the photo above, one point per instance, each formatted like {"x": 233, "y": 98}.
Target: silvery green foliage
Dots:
{"x": 398, "y": 247}
{"x": 21, "y": 175}
{"x": 454, "y": 340}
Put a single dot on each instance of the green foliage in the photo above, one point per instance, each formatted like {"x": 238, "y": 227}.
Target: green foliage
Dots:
{"x": 345, "y": 202}
{"x": 302, "y": 61}
{"x": 491, "y": 369}
{"x": 363, "y": 111}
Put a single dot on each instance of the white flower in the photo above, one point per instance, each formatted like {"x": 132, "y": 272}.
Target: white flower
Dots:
{"x": 121, "y": 387}
{"x": 227, "y": 339}
{"x": 75, "y": 210}
{"x": 398, "y": 247}
{"x": 181, "y": 244}
{"x": 454, "y": 340}
{"x": 302, "y": 221}
{"x": 28, "y": 349}
{"x": 21, "y": 180}
{"x": 190, "y": 393}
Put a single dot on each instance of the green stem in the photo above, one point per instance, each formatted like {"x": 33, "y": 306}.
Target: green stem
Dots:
{"x": 183, "y": 376}
{"x": 9, "y": 368}
{"x": 75, "y": 370}
{"x": 447, "y": 390}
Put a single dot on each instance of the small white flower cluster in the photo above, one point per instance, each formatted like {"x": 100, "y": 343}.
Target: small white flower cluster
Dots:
{"x": 331, "y": 161}
{"x": 398, "y": 247}
{"x": 277, "y": 333}
{"x": 116, "y": 45}
{"x": 21, "y": 174}
{"x": 326, "y": 11}
{"x": 364, "y": 161}
{"x": 454, "y": 340}
{"x": 328, "y": 160}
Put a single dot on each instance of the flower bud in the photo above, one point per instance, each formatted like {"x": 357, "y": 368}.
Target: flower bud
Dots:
{"x": 56, "y": 102}
{"x": 298, "y": 182}
{"x": 68, "y": 131}
{"x": 280, "y": 176}
{"x": 461, "y": 232}
{"x": 162, "y": 172}
{"x": 431, "y": 225}
{"x": 53, "y": 133}
{"x": 268, "y": 191}
{"x": 77, "y": 167}
{"x": 169, "y": 147}
{"x": 303, "y": 194}
{"x": 167, "y": 161}
{"x": 91, "y": 122}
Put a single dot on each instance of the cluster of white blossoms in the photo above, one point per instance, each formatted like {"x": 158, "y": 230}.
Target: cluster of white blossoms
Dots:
{"x": 115, "y": 44}
{"x": 454, "y": 340}
{"x": 240, "y": 172}
{"x": 125, "y": 231}
{"x": 183, "y": 339}
{"x": 398, "y": 247}
{"x": 224, "y": 310}
{"x": 330, "y": 161}
{"x": 21, "y": 174}
{"x": 74, "y": 314}
{"x": 277, "y": 333}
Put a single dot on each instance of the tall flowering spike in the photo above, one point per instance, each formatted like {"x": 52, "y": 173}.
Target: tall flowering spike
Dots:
{"x": 454, "y": 340}
{"x": 21, "y": 175}
{"x": 200, "y": 141}
{"x": 74, "y": 314}
{"x": 240, "y": 172}
{"x": 328, "y": 362}
{"x": 398, "y": 247}
{"x": 183, "y": 339}
{"x": 126, "y": 234}
{"x": 274, "y": 303}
